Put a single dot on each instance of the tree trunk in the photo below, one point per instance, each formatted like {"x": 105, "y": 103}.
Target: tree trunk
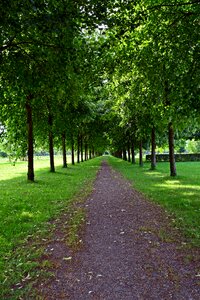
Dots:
{"x": 90, "y": 154}
{"x": 171, "y": 150}
{"x": 93, "y": 152}
{"x": 81, "y": 148}
{"x": 153, "y": 149}
{"x": 78, "y": 149}
{"x": 51, "y": 152}
{"x": 30, "y": 174}
{"x": 64, "y": 150}
{"x": 133, "y": 152}
{"x": 124, "y": 154}
{"x": 86, "y": 151}
{"x": 72, "y": 148}
{"x": 120, "y": 154}
{"x": 141, "y": 158}
{"x": 129, "y": 152}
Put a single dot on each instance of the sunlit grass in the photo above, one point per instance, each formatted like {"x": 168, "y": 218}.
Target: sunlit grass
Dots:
{"x": 26, "y": 208}
{"x": 10, "y": 170}
{"x": 180, "y": 196}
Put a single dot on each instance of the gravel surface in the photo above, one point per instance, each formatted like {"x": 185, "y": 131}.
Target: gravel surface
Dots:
{"x": 128, "y": 252}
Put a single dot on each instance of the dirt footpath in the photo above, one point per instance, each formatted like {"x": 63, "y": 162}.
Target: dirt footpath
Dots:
{"x": 128, "y": 251}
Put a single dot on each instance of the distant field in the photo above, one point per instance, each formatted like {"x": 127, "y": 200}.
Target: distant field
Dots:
{"x": 180, "y": 195}
{"x": 10, "y": 170}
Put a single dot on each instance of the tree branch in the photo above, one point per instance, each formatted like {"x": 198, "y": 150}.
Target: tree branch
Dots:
{"x": 175, "y": 5}
{"x": 13, "y": 45}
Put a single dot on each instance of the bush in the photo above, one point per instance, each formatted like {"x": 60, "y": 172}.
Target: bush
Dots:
{"x": 178, "y": 157}
{"x": 3, "y": 154}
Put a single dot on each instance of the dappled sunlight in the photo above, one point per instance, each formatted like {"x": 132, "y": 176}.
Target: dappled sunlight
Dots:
{"x": 26, "y": 208}
{"x": 188, "y": 194}
{"x": 25, "y": 216}
{"x": 10, "y": 170}
{"x": 154, "y": 174}
{"x": 174, "y": 182}
{"x": 179, "y": 195}
{"x": 178, "y": 185}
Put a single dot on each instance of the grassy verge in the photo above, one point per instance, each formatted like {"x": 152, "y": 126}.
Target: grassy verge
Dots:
{"x": 180, "y": 195}
{"x": 25, "y": 211}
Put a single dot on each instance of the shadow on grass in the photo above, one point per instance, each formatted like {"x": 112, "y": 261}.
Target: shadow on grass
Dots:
{"x": 179, "y": 195}
{"x": 26, "y": 209}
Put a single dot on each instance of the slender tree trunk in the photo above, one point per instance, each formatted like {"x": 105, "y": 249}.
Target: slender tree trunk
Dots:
{"x": 64, "y": 150}
{"x": 72, "y": 149}
{"x": 51, "y": 152}
{"x": 171, "y": 150}
{"x": 78, "y": 149}
{"x": 93, "y": 152}
{"x": 133, "y": 152}
{"x": 153, "y": 149}
{"x": 90, "y": 154}
{"x": 141, "y": 157}
{"x": 129, "y": 152}
{"x": 30, "y": 174}
{"x": 124, "y": 154}
{"x": 81, "y": 148}
{"x": 85, "y": 151}
{"x": 118, "y": 154}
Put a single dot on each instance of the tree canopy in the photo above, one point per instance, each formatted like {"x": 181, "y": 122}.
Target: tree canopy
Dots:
{"x": 103, "y": 74}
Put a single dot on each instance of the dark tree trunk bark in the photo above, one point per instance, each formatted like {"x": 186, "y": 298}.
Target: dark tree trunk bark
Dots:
{"x": 51, "y": 152}
{"x": 141, "y": 157}
{"x": 81, "y": 148}
{"x": 124, "y": 155}
{"x": 171, "y": 150}
{"x": 153, "y": 149}
{"x": 133, "y": 152}
{"x": 72, "y": 149}
{"x": 129, "y": 152}
{"x": 30, "y": 174}
{"x": 90, "y": 154}
{"x": 120, "y": 153}
{"x": 93, "y": 152}
{"x": 78, "y": 149}
{"x": 64, "y": 150}
{"x": 86, "y": 156}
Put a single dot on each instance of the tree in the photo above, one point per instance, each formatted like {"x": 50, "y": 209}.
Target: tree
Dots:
{"x": 35, "y": 39}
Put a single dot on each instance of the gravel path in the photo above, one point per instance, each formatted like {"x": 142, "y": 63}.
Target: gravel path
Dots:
{"x": 127, "y": 251}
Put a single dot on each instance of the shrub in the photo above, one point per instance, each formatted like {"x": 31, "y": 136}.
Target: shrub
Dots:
{"x": 3, "y": 154}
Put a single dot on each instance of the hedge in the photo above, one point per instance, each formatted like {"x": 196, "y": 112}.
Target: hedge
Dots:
{"x": 178, "y": 157}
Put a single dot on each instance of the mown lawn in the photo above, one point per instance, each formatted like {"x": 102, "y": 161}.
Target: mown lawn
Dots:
{"x": 180, "y": 195}
{"x": 26, "y": 208}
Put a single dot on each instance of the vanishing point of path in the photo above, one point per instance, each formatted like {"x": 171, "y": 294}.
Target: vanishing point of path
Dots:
{"x": 127, "y": 253}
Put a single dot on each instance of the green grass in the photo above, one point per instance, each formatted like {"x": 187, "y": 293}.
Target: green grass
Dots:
{"x": 25, "y": 211}
{"x": 180, "y": 196}
{"x": 78, "y": 218}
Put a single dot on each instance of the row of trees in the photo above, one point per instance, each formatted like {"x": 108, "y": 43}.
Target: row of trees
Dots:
{"x": 92, "y": 74}
{"x": 47, "y": 72}
{"x": 154, "y": 83}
